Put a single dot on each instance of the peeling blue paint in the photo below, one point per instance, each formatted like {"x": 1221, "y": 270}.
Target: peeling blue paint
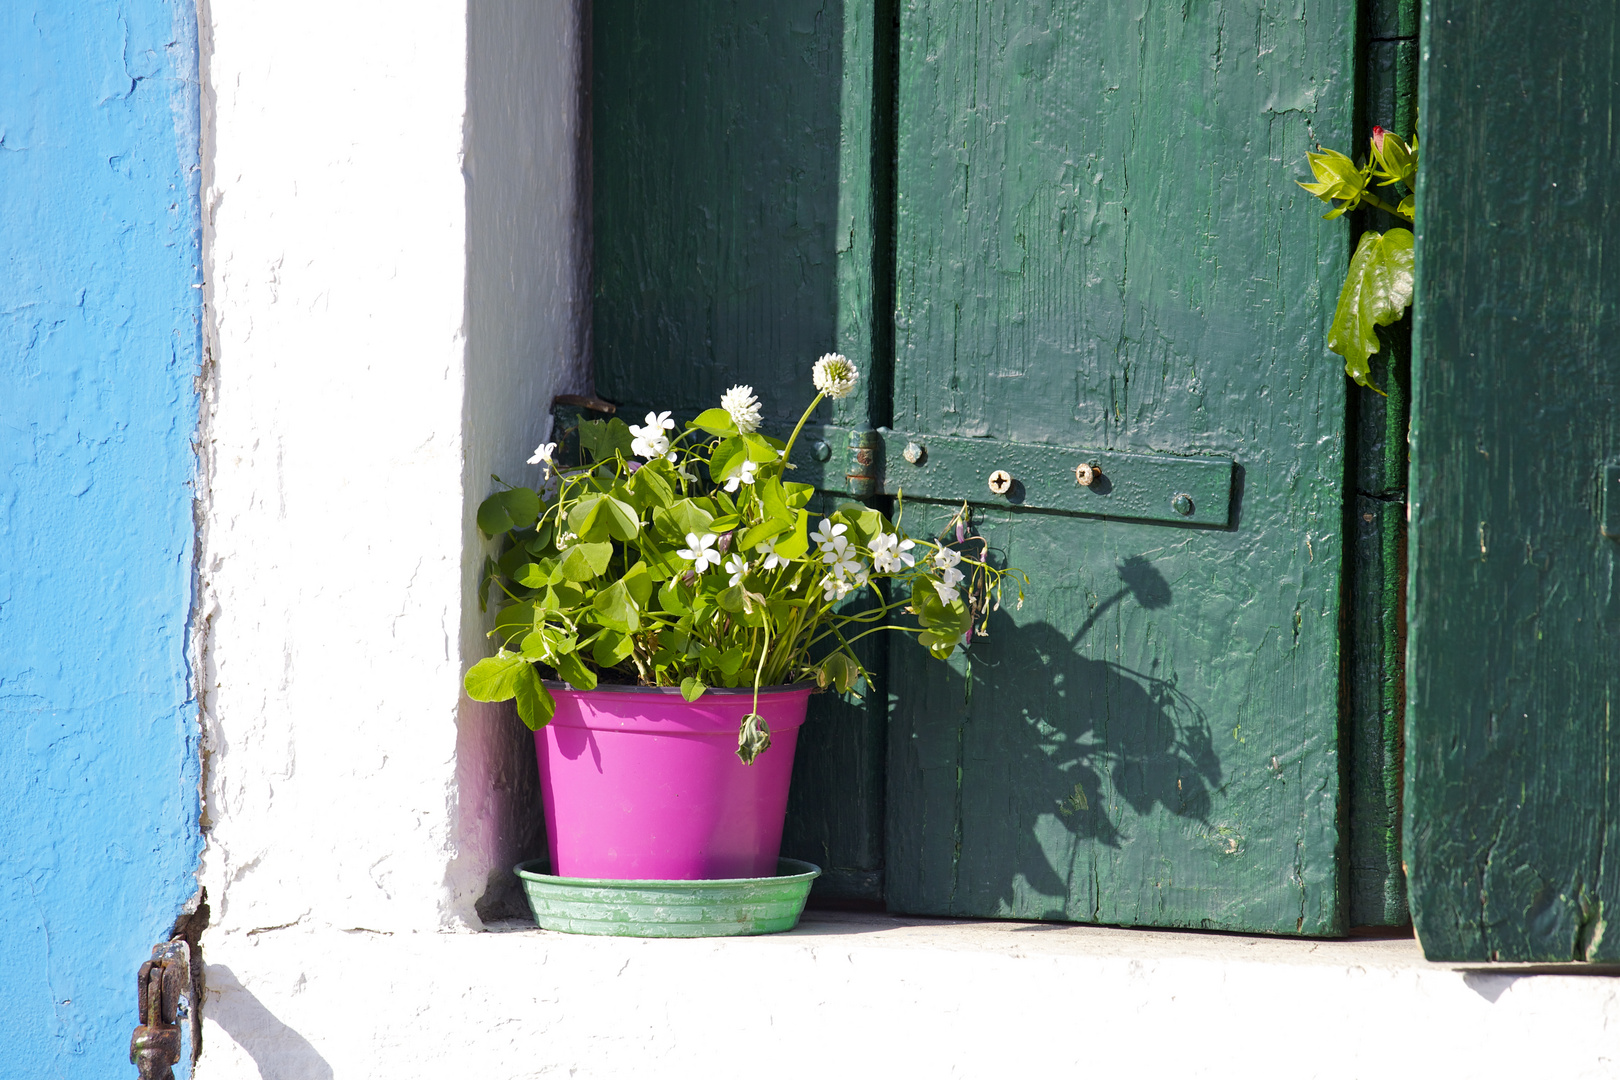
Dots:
{"x": 100, "y": 340}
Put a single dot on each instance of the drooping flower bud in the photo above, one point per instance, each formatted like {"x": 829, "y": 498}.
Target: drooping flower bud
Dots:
{"x": 1378, "y": 139}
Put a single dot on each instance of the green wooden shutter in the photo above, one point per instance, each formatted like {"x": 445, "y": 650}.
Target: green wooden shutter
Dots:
{"x": 1098, "y": 256}
{"x": 1514, "y": 661}
{"x": 1100, "y": 248}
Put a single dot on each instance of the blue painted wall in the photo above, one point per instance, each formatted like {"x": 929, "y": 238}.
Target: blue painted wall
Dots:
{"x": 99, "y": 345}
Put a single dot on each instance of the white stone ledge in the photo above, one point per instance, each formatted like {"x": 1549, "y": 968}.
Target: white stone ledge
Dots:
{"x": 850, "y": 995}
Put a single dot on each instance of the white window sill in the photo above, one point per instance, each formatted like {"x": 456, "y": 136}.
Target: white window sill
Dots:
{"x": 876, "y": 995}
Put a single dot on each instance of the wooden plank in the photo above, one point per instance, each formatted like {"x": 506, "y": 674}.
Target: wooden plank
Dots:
{"x": 1101, "y": 245}
{"x": 1514, "y": 656}
{"x": 715, "y": 180}
{"x": 739, "y": 200}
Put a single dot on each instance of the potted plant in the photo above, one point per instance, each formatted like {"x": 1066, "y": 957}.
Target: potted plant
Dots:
{"x": 667, "y": 607}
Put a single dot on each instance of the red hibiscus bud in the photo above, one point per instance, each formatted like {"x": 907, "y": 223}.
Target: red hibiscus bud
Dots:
{"x": 1378, "y": 138}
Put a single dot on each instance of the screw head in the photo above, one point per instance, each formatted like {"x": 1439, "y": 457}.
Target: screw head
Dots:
{"x": 1085, "y": 475}
{"x": 1182, "y": 503}
{"x": 1000, "y": 482}
{"x": 820, "y": 450}
{"x": 914, "y": 454}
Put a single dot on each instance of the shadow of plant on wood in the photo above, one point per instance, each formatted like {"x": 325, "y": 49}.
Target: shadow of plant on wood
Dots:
{"x": 1035, "y": 752}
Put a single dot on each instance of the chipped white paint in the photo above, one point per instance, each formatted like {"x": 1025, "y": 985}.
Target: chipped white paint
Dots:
{"x": 394, "y": 297}
{"x": 869, "y": 996}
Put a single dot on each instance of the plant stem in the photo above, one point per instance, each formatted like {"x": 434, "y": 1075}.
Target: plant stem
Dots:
{"x": 795, "y": 436}
{"x": 1369, "y": 197}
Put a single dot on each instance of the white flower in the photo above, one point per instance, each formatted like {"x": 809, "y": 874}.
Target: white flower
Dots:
{"x": 946, "y": 557}
{"x": 744, "y": 475}
{"x": 743, "y": 406}
{"x": 564, "y": 540}
{"x": 843, "y": 564}
{"x": 835, "y": 376}
{"x": 680, "y": 471}
{"x": 700, "y": 549}
{"x": 835, "y": 549}
{"x": 736, "y": 566}
{"x": 542, "y": 456}
{"x": 826, "y": 531}
{"x": 649, "y": 440}
{"x": 772, "y": 559}
{"x": 834, "y": 588}
{"x": 951, "y": 576}
{"x": 890, "y": 554}
{"x": 947, "y": 593}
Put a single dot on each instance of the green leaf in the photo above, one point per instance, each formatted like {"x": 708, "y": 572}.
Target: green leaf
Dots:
{"x": 715, "y": 422}
{"x": 727, "y": 458}
{"x": 733, "y": 598}
{"x": 562, "y": 598}
{"x": 760, "y": 450}
{"x": 1337, "y": 178}
{"x": 611, "y": 648}
{"x": 616, "y": 609}
{"x": 639, "y": 582}
{"x": 1376, "y": 292}
{"x": 684, "y": 517}
{"x": 691, "y": 688}
{"x": 796, "y": 543}
{"x": 502, "y": 678}
{"x": 505, "y": 510}
{"x": 535, "y": 705}
{"x": 731, "y": 661}
{"x": 798, "y": 495}
{"x": 494, "y": 678}
{"x": 649, "y": 489}
{"x": 762, "y": 532}
{"x": 514, "y": 620}
{"x": 670, "y": 599}
{"x": 583, "y": 561}
{"x": 575, "y": 673}
{"x": 535, "y": 575}
{"x": 601, "y": 517}
{"x": 601, "y": 439}
{"x": 839, "y": 672}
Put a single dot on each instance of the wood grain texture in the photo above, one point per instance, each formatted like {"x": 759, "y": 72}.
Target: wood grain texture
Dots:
{"x": 740, "y": 191}
{"x": 1514, "y": 654}
{"x": 715, "y": 184}
{"x": 1100, "y": 245}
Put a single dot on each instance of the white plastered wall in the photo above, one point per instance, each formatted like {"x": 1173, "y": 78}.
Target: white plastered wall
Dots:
{"x": 394, "y": 292}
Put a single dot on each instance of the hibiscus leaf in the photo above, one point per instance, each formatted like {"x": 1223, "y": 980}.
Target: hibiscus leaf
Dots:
{"x": 1377, "y": 292}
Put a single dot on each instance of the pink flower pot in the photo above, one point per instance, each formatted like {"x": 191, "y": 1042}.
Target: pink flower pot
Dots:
{"x": 639, "y": 784}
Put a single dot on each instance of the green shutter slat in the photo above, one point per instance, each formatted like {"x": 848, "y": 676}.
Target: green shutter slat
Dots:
{"x": 1513, "y": 790}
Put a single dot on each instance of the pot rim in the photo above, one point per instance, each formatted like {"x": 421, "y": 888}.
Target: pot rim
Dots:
{"x": 724, "y": 691}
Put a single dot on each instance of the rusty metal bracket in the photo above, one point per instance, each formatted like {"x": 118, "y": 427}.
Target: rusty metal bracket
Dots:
{"x": 162, "y": 999}
{"x": 865, "y": 469}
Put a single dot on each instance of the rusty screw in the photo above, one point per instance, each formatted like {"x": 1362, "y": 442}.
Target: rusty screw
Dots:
{"x": 1182, "y": 504}
{"x": 1000, "y": 482}
{"x": 1085, "y": 475}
